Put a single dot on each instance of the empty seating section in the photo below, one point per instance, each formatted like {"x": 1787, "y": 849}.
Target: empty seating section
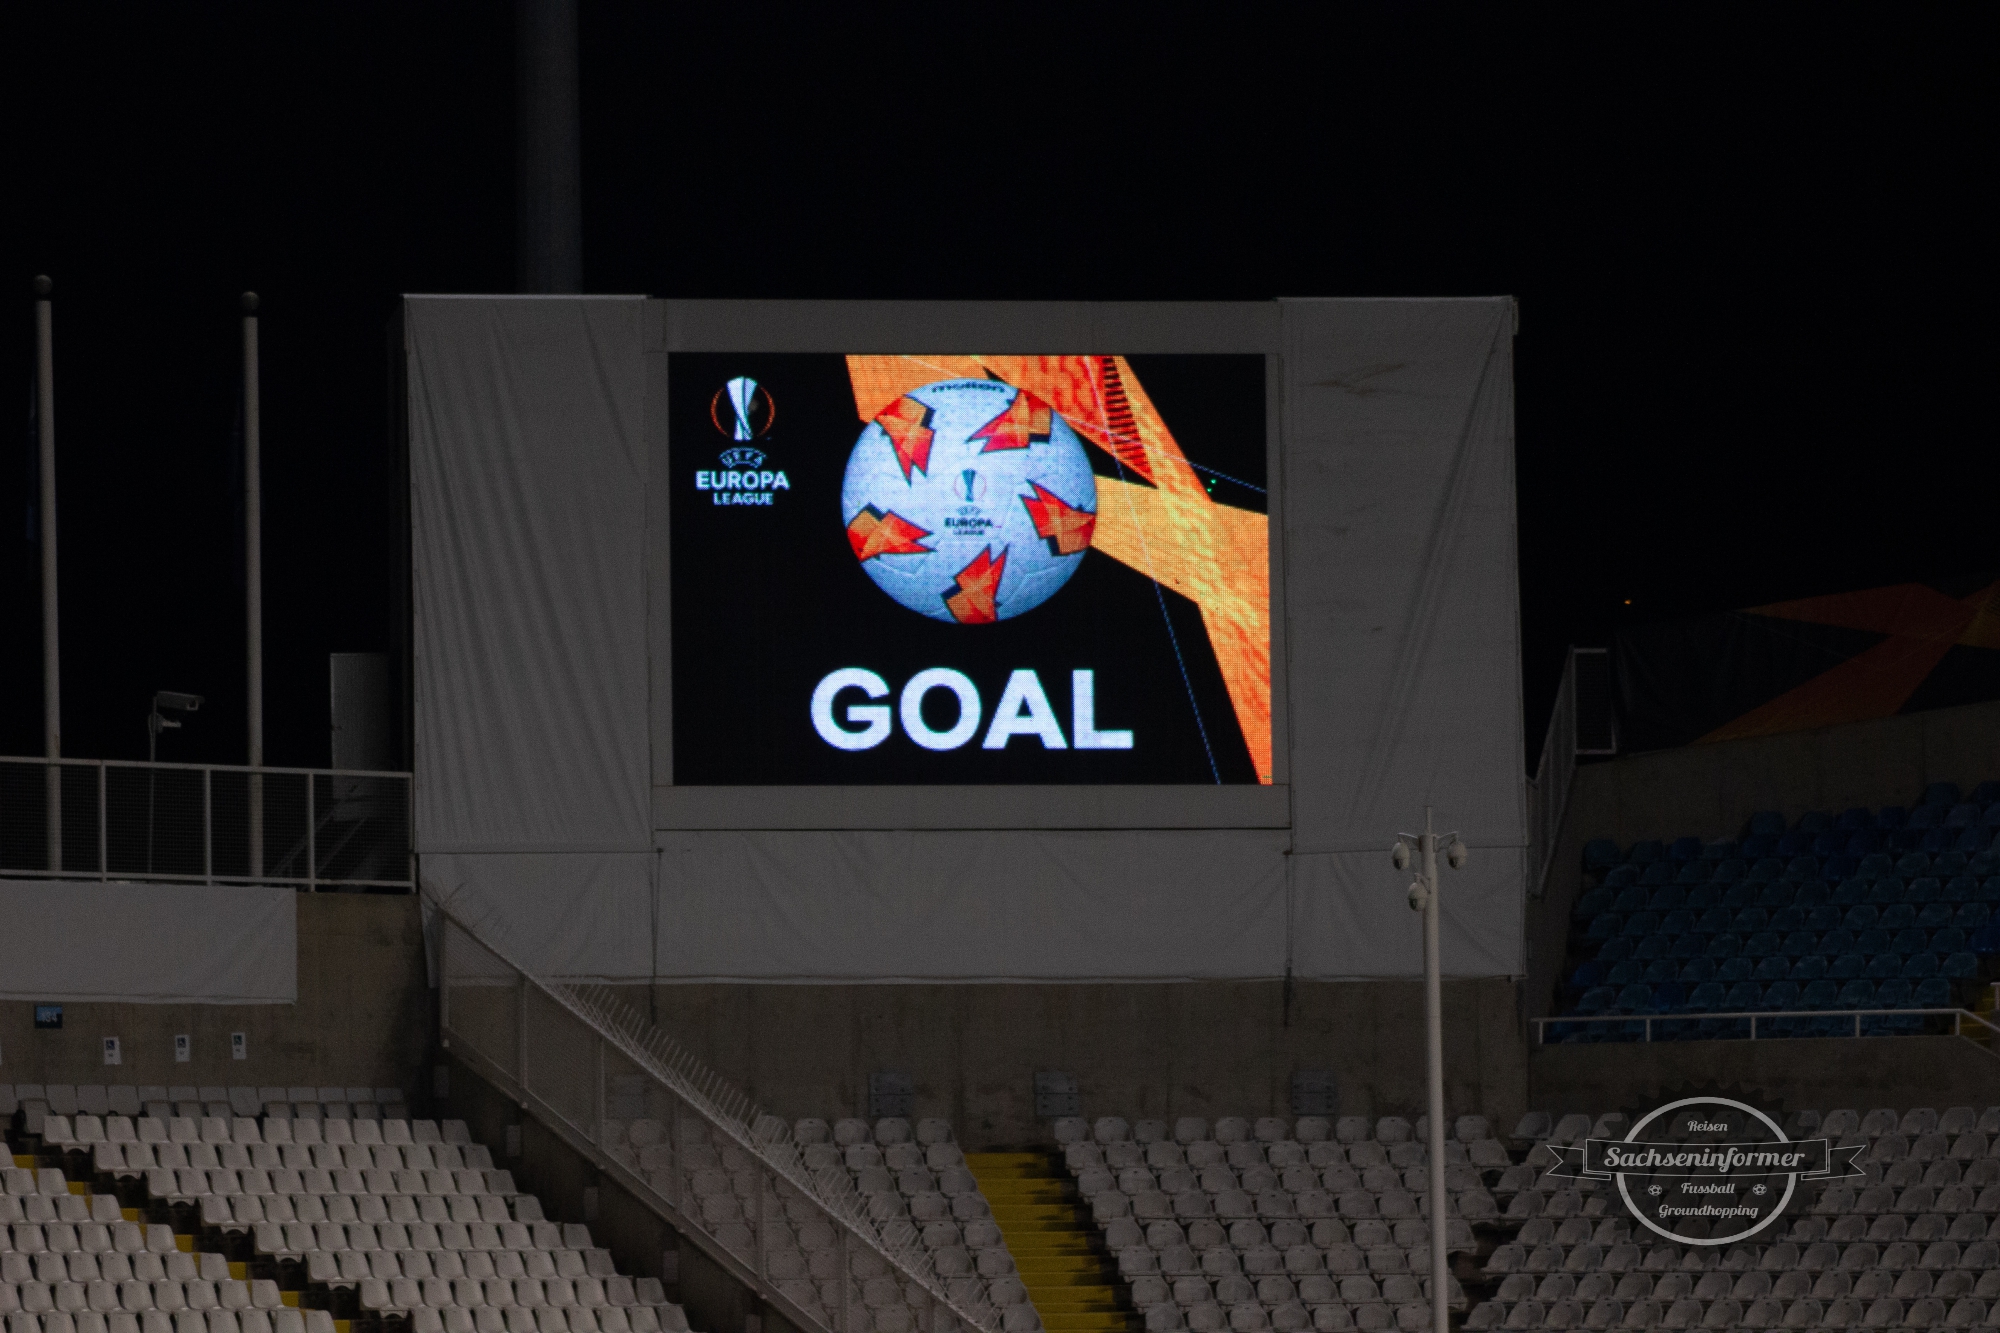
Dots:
{"x": 1275, "y": 1224}
{"x": 1892, "y": 909}
{"x": 283, "y": 1211}
{"x": 911, "y": 1180}
{"x": 1914, "y": 1245}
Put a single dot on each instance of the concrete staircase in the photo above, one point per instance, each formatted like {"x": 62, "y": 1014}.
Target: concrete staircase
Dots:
{"x": 1071, "y": 1281}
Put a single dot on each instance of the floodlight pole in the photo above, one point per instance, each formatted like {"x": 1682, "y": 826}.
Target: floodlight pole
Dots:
{"x": 45, "y": 430}
{"x": 253, "y": 577}
{"x": 1424, "y": 898}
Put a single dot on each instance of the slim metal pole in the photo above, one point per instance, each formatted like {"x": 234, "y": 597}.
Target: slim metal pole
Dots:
{"x": 253, "y": 577}
{"x": 45, "y": 429}
{"x": 1434, "y": 1040}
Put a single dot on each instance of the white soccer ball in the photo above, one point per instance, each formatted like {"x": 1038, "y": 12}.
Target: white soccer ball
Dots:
{"x": 969, "y": 501}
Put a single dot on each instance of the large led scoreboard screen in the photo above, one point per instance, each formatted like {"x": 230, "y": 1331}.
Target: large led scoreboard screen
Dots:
{"x": 969, "y": 569}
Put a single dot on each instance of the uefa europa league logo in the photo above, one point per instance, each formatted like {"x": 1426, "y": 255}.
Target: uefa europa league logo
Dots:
{"x": 750, "y": 413}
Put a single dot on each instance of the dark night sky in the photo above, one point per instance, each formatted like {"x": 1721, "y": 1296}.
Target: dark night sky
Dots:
{"x": 1743, "y": 251}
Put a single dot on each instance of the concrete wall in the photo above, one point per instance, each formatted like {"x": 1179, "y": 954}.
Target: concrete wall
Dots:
{"x": 1207, "y": 1049}
{"x": 1818, "y": 1074}
{"x": 363, "y": 1017}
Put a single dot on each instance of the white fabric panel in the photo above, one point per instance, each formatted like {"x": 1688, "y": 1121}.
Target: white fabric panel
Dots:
{"x": 567, "y": 914}
{"x": 1403, "y": 623}
{"x": 148, "y": 943}
{"x": 972, "y": 906}
{"x": 527, "y": 478}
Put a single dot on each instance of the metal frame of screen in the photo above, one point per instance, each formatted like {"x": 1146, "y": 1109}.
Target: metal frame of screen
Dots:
{"x": 889, "y": 327}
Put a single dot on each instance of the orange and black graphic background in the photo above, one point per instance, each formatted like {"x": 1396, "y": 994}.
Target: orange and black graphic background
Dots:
{"x": 1171, "y": 606}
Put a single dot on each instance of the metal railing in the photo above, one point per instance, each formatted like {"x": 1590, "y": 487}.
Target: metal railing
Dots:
{"x": 576, "y": 1053}
{"x": 1548, "y": 790}
{"x": 1959, "y": 1019}
{"x": 106, "y": 819}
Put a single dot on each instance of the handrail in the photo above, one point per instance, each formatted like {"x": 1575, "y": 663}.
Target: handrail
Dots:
{"x": 1958, "y": 1022}
{"x": 766, "y": 1139}
{"x": 36, "y": 761}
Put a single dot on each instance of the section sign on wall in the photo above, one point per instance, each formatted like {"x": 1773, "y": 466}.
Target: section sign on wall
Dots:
{"x": 969, "y": 569}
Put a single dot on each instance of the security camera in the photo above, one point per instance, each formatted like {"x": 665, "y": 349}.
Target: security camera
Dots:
{"x": 1420, "y": 897}
{"x": 1399, "y": 856}
{"x": 185, "y": 703}
{"x": 1457, "y": 854}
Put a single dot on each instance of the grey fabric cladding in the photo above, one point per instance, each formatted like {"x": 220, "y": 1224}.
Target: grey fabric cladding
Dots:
{"x": 527, "y": 517}
{"x": 174, "y": 943}
{"x": 1399, "y": 684}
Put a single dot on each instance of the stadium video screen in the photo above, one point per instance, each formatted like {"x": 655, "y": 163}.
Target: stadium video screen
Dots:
{"x": 969, "y": 569}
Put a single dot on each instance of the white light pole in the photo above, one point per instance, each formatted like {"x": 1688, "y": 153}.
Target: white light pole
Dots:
{"x": 253, "y": 577}
{"x": 1424, "y": 898}
{"x": 45, "y": 430}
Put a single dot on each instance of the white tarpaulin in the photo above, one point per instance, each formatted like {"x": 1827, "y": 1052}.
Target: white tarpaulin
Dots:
{"x": 172, "y": 943}
{"x": 543, "y": 627}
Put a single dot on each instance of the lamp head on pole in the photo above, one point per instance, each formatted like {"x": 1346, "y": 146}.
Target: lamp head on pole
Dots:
{"x": 44, "y": 286}
{"x": 249, "y": 303}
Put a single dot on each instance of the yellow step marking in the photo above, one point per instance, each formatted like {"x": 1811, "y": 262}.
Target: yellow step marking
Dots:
{"x": 1051, "y": 1244}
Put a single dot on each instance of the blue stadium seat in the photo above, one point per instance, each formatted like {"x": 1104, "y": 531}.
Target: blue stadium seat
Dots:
{"x": 1589, "y": 973}
{"x": 1732, "y": 970}
{"x": 1972, "y": 916}
{"x": 1677, "y": 922}
{"x": 1884, "y": 891}
{"x": 1960, "y": 889}
{"x": 1809, "y": 968}
{"x": 1705, "y": 998}
{"x": 1660, "y": 970}
{"x": 1920, "y": 966}
{"x": 1684, "y": 849}
{"x": 1658, "y": 872}
{"x": 1596, "y": 1000}
{"x": 1968, "y": 841}
{"x": 1912, "y": 939}
{"x": 1624, "y": 974}
{"x": 1850, "y": 891}
{"x": 1941, "y": 793}
{"x": 1932, "y": 916}
{"x": 1871, "y": 941}
{"x": 1749, "y": 920}
{"x": 1883, "y": 966}
{"x": 1636, "y": 998}
{"x": 1788, "y": 919}
{"x": 1933, "y": 993}
{"x": 1640, "y": 924}
{"x": 1759, "y": 844}
{"x": 1907, "y": 840}
{"x": 1614, "y": 949}
{"x": 1876, "y": 866}
{"x": 1632, "y": 899}
{"x": 1781, "y": 995}
{"x": 1838, "y": 866}
{"x": 1847, "y": 967}
{"x": 1960, "y": 966}
{"x": 1744, "y": 995}
{"x": 1811, "y": 893}
{"x": 1939, "y": 840}
{"x": 1763, "y": 944}
{"x": 1697, "y": 971}
{"x": 1723, "y": 849}
{"x": 1857, "y": 918}
{"x": 1855, "y": 817}
{"x": 1766, "y": 868}
{"x": 1590, "y": 904}
{"x": 1835, "y": 943}
{"x": 1829, "y": 844}
{"x": 1666, "y": 898}
{"x": 1704, "y": 896}
{"x": 1619, "y": 877}
{"x": 1646, "y": 852}
{"x": 1668, "y": 996}
{"x": 1924, "y": 890}
{"x": 1731, "y": 869}
{"x": 1651, "y": 947}
{"x": 1946, "y": 864}
{"x": 1799, "y": 944}
{"x": 1898, "y": 916}
{"x": 1864, "y": 842}
{"x": 1723, "y": 946}
{"x": 1801, "y": 868}
{"x": 1892, "y": 994}
{"x": 1986, "y": 940}
{"x": 1950, "y": 939}
{"x": 1963, "y": 815}
{"x": 1989, "y": 890}
{"x": 1824, "y": 918}
{"x": 1714, "y": 919}
{"x": 1926, "y": 817}
{"x": 1987, "y": 792}
{"x": 1774, "y": 967}
{"x": 1600, "y": 854}
{"x": 1604, "y": 925}
{"x": 1767, "y": 821}
{"x": 1821, "y": 994}
{"x": 1741, "y": 894}
{"x": 1857, "y": 995}
{"x": 1689, "y": 946}
{"x": 1794, "y": 844}
{"x": 1891, "y": 817}
{"x": 1777, "y": 893}
{"x": 1912, "y": 864}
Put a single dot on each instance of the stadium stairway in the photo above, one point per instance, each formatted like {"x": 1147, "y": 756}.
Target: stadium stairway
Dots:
{"x": 1071, "y": 1281}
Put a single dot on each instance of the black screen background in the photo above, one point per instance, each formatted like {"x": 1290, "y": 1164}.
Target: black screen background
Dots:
{"x": 768, "y": 599}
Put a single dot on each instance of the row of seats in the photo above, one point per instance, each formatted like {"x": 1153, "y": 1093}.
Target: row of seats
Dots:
{"x": 85, "y": 1130}
{"x": 32, "y": 1101}
{"x": 1803, "y": 880}
{"x": 1768, "y": 1312}
{"x": 282, "y": 1320}
{"x": 1232, "y": 1130}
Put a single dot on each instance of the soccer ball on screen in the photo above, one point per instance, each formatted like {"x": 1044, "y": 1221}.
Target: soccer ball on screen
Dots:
{"x": 969, "y": 501}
